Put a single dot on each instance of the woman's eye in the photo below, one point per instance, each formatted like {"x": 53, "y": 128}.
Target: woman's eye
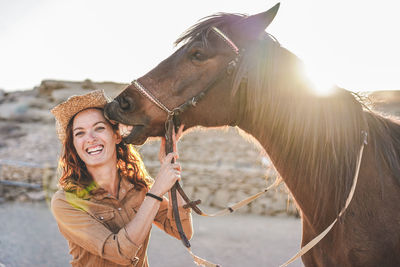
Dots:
{"x": 78, "y": 133}
{"x": 100, "y": 128}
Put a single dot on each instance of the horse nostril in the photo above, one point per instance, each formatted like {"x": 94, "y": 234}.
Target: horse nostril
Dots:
{"x": 125, "y": 103}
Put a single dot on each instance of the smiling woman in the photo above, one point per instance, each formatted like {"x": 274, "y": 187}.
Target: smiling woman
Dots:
{"x": 107, "y": 202}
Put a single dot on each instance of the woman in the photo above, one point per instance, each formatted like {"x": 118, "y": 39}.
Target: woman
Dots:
{"x": 107, "y": 203}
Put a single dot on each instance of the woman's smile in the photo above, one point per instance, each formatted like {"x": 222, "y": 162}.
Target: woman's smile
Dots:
{"x": 95, "y": 150}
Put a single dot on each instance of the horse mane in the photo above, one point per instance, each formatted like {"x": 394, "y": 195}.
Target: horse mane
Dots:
{"x": 201, "y": 29}
{"x": 309, "y": 131}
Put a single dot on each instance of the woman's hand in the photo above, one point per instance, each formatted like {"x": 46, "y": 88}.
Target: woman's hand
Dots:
{"x": 175, "y": 138}
{"x": 167, "y": 176}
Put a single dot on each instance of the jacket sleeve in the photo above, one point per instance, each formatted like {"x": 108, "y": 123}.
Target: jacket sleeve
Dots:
{"x": 81, "y": 228}
{"x": 166, "y": 221}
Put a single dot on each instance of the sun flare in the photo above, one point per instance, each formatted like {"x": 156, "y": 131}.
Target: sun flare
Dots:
{"x": 321, "y": 80}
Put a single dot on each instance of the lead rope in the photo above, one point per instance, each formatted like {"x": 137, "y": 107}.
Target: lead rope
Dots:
{"x": 318, "y": 238}
{"x": 244, "y": 202}
{"x": 312, "y": 243}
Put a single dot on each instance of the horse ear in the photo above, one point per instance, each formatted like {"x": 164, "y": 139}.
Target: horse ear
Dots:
{"x": 253, "y": 26}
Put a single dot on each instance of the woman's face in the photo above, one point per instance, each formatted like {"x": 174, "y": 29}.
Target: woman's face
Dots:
{"x": 94, "y": 139}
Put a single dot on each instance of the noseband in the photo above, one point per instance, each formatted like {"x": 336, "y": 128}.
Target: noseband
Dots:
{"x": 174, "y": 122}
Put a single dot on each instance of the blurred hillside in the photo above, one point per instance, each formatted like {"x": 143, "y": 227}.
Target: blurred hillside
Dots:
{"x": 386, "y": 102}
{"x": 213, "y": 169}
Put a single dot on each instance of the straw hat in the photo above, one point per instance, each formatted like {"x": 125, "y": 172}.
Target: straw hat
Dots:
{"x": 74, "y": 104}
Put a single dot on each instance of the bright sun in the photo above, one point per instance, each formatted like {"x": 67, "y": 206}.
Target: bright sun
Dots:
{"x": 321, "y": 80}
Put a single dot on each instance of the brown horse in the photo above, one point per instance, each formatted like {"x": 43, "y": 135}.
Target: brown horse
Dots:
{"x": 313, "y": 141}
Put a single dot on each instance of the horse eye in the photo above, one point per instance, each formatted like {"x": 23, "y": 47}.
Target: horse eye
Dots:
{"x": 198, "y": 56}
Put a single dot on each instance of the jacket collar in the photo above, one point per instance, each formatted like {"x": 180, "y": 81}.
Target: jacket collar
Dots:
{"x": 98, "y": 193}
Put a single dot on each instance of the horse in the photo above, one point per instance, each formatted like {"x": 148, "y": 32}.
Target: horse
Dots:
{"x": 235, "y": 73}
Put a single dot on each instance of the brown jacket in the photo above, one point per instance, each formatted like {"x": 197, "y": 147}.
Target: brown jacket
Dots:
{"x": 94, "y": 226}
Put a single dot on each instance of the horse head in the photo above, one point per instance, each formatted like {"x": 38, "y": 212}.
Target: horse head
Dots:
{"x": 203, "y": 65}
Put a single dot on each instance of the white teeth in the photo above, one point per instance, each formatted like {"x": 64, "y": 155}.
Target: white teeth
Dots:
{"x": 94, "y": 150}
{"x": 124, "y": 130}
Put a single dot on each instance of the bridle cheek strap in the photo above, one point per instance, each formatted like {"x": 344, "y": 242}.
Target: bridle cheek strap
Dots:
{"x": 226, "y": 39}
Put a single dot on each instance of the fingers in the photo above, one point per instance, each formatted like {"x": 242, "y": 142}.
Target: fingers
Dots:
{"x": 170, "y": 156}
{"x": 176, "y": 172}
{"x": 176, "y": 136}
{"x": 177, "y": 167}
{"x": 174, "y": 168}
{"x": 168, "y": 174}
{"x": 173, "y": 140}
{"x": 163, "y": 142}
{"x": 178, "y": 176}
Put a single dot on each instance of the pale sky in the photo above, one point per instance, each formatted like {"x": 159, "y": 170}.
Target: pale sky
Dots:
{"x": 353, "y": 42}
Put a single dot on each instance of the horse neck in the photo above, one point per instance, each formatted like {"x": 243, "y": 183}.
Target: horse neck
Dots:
{"x": 307, "y": 141}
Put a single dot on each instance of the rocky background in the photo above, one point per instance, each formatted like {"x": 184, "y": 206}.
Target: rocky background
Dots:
{"x": 220, "y": 167}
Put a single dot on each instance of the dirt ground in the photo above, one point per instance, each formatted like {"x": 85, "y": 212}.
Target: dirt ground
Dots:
{"x": 30, "y": 237}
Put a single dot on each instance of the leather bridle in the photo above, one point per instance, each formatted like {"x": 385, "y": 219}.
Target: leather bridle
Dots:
{"x": 173, "y": 122}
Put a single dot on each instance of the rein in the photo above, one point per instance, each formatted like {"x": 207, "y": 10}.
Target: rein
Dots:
{"x": 318, "y": 238}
